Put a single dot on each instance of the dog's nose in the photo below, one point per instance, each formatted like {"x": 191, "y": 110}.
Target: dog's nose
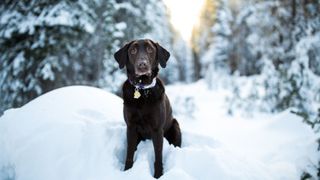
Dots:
{"x": 142, "y": 64}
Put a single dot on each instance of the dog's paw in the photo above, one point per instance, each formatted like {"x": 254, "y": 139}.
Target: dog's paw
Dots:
{"x": 128, "y": 165}
{"x": 158, "y": 174}
{"x": 158, "y": 170}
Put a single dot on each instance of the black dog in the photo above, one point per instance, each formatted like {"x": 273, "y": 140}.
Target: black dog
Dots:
{"x": 147, "y": 111}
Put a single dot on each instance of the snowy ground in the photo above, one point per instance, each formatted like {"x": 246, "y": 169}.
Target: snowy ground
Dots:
{"x": 78, "y": 133}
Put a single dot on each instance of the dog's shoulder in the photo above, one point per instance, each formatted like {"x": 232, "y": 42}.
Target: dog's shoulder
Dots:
{"x": 147, "y": 96}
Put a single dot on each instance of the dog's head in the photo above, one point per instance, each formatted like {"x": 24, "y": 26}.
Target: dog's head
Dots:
{"x": 142, "y": 58}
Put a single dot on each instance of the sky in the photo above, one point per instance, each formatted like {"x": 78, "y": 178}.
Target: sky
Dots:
{"x": 184, "y": 15}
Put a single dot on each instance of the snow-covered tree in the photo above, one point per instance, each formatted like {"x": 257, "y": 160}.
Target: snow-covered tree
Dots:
{"x": 182, "y": 52}
{"x": 102, "y": 43}
{"x": 161, "y": 31}
{"x": 216, "y": 59}
{"x": 283, "y": 37}
{"x": 278, "y": 40}
{"x": 150, "y": 20}
{"x": 50, "y": 44}
{"x": 295, "y": 32}
{"x": 202, "y": 36}
{"x": 39, "y": 43}
{"x": 134, "y": 14}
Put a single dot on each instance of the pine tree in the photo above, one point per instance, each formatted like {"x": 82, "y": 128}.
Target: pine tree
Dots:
{"x": 298, "y": 32}
{"x": 50, "y": 44}
{"x": 216, "y": 56}
{"x": 99, "y": 47}
{"x": 282, "y": 37}
{"x": 39, "y": 41}
{"x": 202, "y": 36}
{"x": 161, "y": 31}
{"x": 134, "y": 14}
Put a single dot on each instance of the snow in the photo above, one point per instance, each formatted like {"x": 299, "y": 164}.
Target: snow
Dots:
{"x": 256, "y": 138}
{"x": 18, "y": 61}
{"x": 78, "y": 132}
{"x": 124, "y": 5}
{"x": 47, "y": 72}
{"x": 59, "y": 14}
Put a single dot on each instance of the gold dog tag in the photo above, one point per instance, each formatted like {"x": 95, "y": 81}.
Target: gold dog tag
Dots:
{"x": 136, "y": 94}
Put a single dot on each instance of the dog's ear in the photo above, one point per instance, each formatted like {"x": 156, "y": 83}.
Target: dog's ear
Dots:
{"x": 121, "y": 55}
{"x": 162, "y": 55}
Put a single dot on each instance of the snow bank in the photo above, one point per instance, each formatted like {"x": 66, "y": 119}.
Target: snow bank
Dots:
{"x": 278, "y": 146}
{"x": 78, "y": 133}
{"x": 69, "y": 133}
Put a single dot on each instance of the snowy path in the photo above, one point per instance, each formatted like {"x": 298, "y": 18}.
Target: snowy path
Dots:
{"x": 62, "y": 136}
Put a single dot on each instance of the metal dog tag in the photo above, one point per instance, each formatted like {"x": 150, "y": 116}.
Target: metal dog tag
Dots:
{"x": 136, "y": 94}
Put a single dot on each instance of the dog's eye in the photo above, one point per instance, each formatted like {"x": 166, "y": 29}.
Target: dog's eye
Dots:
{"x": 149, "y": 50}
{"x": 133, "y": 51}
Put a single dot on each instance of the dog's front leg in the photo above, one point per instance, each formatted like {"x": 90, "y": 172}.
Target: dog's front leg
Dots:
{"x": 132, "y": 139}
{"x": 157, "y": 139}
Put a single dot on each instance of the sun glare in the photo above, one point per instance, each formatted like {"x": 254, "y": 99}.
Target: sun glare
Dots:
{"x": 184, "y": 15}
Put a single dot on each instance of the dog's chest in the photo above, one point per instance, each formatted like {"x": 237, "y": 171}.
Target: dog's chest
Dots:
{"x": 144, "y": 123}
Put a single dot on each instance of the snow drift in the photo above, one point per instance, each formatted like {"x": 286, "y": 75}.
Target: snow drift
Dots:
{"x": 78, "y": 133}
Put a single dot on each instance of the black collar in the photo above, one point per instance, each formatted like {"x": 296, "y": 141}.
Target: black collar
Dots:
{"x": 144, "y": 86}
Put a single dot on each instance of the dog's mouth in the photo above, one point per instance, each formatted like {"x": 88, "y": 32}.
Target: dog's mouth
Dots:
{"x": 143, "y": 78}
{"x": 143, "y": 73}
